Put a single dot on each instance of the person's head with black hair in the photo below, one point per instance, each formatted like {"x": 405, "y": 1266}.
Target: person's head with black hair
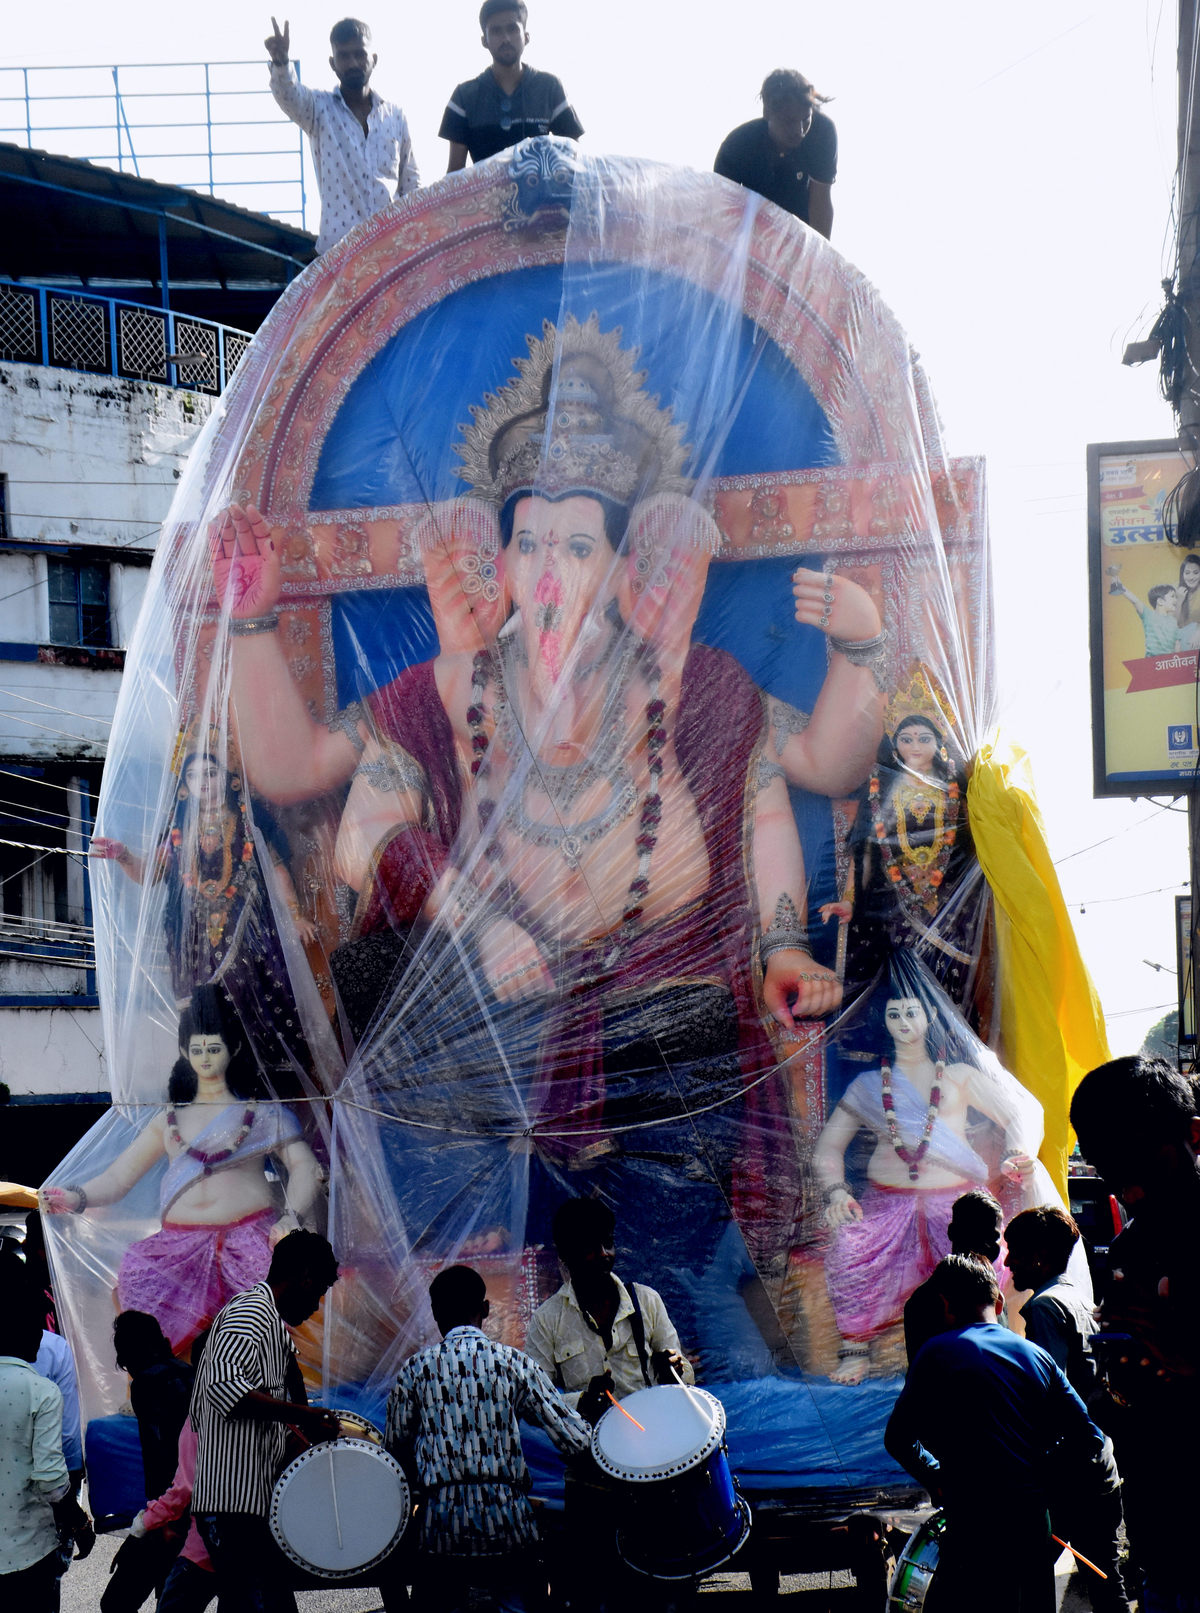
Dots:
{"x": 584, "y": 1231}
{"x": 975, "y": 1222}
{"x": 968, "y": 1289}
{"x": 458, "y": 1298}
{"x": 504, "y": 32}
{"x": 139, "y": 1342}
{"x": 1137, "y": 1124}
{"x": 1040, "y": 1242}
{"x": 211, "y": 1041}
{"x": 789, "y": 101}
{"x": 303, "y": 1270}
{"x": 22, "y": 1311}
{"x": 352, "y": 61}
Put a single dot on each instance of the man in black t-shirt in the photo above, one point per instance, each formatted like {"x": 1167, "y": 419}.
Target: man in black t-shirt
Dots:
{"x": 508, "y": 102}
{"x": 789, "y": 155}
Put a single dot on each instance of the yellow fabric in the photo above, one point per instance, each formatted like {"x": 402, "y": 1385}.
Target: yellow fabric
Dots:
{"x": 1050, "y": 1016}
{"x": 15, "y": 1197}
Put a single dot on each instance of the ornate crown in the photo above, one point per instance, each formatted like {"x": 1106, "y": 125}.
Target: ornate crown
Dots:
{"x": 922, "y": 695}
{"x": 576, "y": 418}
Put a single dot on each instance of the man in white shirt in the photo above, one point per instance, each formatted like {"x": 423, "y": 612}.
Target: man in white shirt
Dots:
{"x": 596, "y": 1335}
{"x": 35, "y": 1495}
{"x": 361, "y": 148}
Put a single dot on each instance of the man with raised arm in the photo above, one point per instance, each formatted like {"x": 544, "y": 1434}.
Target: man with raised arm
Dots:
{"x": 508, "y": 102}
{"x": 360, "y": 143}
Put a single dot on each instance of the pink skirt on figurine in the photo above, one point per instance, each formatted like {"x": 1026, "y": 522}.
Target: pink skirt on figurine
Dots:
{"x": 184, "y": 1274}
{"x": 873, "y": 1265}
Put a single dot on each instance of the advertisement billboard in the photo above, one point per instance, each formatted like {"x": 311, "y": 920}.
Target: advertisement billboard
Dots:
{"x": 1145, "y": 624}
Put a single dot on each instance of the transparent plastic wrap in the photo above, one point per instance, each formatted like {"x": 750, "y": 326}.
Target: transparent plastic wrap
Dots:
{"x": 549, "y": 729}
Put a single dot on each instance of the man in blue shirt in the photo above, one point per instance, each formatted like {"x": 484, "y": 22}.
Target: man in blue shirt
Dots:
{"x": 980, "y": 1412}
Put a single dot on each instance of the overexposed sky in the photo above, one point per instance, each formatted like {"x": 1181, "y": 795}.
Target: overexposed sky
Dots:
{"x": 1005, "y": 180}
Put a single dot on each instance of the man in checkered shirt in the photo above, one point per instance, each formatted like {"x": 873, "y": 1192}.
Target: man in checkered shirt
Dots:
{"x": 452, "y": 1422}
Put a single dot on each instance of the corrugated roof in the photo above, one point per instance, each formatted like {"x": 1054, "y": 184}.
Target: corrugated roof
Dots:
{"x": 70, "y": 220}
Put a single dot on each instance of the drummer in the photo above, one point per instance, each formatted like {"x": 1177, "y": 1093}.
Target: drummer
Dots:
{"x": 247, "y": 1389}
{"x": 596, "y": 1336}
{"x": 452, "y": 1423}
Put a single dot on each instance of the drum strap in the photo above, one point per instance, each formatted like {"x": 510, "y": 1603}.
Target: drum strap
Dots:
{"x": 637, "y": 1323}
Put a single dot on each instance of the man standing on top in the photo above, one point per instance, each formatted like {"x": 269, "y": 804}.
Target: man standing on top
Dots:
{"x": 789, "y": 155}
{"x": 360, "y": 143}
{"x": 508, "y": 102}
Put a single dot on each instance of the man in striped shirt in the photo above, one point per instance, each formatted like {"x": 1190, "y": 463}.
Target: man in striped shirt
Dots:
{"x": 247, "y": 1389}
{"x": 452, "y": 1422}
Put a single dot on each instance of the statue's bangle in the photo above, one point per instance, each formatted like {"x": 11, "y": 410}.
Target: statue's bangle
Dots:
{"x": 248, "y": 626}
{"x": 836, "y": 1187}
{"x": 866, "y": 652}
{"x": 778, "y": 938}
{"x": 80, "y": 1195}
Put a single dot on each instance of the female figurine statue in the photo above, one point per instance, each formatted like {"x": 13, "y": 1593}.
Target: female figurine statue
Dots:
{"x": 913, "y": 880}
{"x": 219, "y": 1213}
{"x": 888, "y": 1238}
{"x": 219, "y": 924}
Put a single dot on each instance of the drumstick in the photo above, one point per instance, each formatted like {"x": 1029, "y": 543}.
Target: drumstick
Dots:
{"x": 697, "y": 1403}
{"x": 623, "y": 1412}
{"x": 1079, "y": 1557}
{"x": 337, "y": 1520}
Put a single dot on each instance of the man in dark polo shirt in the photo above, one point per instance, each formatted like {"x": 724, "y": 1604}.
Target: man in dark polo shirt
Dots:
{"x": 508, "y": 102}
{"x": 789, "y": 155}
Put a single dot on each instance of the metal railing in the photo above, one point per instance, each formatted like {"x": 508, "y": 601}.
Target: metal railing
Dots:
{"x": 183, "y": 123}
{"x": 77, "y": 330}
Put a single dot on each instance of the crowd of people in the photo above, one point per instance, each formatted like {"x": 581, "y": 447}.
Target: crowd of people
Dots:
{"x": 362, "y": 148}
{"x": 1042, "y": 1427}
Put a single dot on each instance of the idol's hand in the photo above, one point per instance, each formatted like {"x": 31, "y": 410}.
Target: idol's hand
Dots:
{"x": 1017, "y": 1167}
{"x": 60, "y": 1200}
{"x": 279, "y": 44}
{"x": 834, "y": 604}
{"x": 245, "y": 562}
{"x": 114, "y": 850}
{"x": 794, "y": 987}
{"x": 842, "y": 911}
{"x": 512, "y": 963}
{"x": 842, "y": 1208}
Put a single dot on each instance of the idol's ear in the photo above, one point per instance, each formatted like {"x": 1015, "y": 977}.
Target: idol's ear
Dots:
{"x": 459, "y": 542}
{"x": 669, "y": 543}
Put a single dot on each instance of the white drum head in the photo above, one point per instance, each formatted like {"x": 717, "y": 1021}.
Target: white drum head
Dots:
{"x": 340, "y": 1507}
{"x": 680, "y": 1428}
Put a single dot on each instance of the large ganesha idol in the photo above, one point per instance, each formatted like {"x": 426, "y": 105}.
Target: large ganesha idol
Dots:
{"x": 567, "y": 535}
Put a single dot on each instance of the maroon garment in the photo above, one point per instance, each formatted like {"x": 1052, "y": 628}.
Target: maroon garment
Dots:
{"x": 717, "y": 729}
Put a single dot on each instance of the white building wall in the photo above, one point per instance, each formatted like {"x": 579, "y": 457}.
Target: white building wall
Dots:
{"x": 89, "y": 461}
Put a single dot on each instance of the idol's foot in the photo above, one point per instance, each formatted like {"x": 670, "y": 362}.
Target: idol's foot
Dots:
{"x": 853, "y": 1363}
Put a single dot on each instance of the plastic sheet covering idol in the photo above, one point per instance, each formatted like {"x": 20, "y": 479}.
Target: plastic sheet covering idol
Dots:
{"x": 549, "y": 727}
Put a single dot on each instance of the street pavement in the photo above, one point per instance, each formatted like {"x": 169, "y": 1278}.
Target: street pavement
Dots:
{"x": 809, "y": 1593}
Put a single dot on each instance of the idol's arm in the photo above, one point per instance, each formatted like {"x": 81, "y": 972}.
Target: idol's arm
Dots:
{"x": 835, "y": 751}
{"x": 794, "y": 986}
{"x": 112, "y": 1184}
{"x": 288, "y": 756}
{"x": 1002, "y": 1098}
{"x": 829, "y": 1167}
{"x": 303, "y": 1178}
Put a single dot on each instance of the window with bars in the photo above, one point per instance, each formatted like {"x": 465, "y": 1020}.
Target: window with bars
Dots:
{"x": 79, "y": 602}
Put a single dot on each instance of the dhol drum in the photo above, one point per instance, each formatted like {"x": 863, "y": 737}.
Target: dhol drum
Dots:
{"x": 916, "y": 1567}
{"x": 342, "y": 1506}
{"x": 682, "y": 1516}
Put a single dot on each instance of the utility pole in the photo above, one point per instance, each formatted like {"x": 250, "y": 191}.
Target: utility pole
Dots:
{"x": 1188, "y": 283}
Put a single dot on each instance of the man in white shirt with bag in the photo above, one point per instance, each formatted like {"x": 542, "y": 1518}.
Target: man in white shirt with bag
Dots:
{"x": 361, "y": 147}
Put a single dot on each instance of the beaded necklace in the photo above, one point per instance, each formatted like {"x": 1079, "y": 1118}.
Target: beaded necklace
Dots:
{"x": 922, "y": 867}
{"x": 209, "y": 1160}
{"x": 486, "y": 668}
{"x": 912, "y": 1157}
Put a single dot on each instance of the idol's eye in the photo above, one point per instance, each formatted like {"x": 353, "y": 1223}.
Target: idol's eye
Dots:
{"x": 581, "y": 548}
{"x": 525, "y": 544}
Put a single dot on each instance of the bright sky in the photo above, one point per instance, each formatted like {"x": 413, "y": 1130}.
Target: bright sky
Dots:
{"x": 1005, "y": 180}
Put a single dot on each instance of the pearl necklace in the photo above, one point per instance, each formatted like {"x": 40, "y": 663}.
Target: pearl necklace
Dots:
{"x": 912, "y": 1157}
